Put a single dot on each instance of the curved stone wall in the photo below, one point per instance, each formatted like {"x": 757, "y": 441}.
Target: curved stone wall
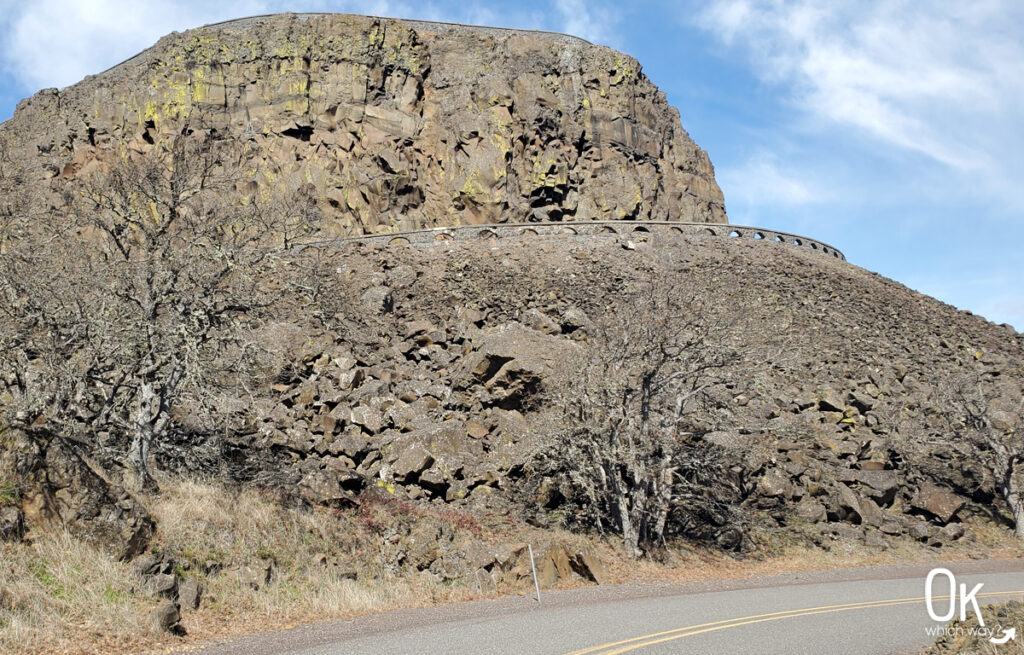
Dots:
{"x": 440, "y": 235}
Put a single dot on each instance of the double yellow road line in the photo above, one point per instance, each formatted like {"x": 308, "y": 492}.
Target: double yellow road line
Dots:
{"x": 626, "y": 645}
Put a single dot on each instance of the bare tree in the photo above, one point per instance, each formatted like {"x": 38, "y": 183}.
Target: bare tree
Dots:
{"x": 126, "y": 300}
{"x": 988, "y": 412}
{"x": 630, "y": 456}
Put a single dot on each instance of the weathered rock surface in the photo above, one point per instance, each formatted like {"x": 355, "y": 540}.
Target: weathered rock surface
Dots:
{"x": 59, "y": 488}
{"x": 12, "y": 524}
{"x": 166, "y": 617}
{"x": 190, "y": 593}
{"x": 940, "y": 503}
{"x": 392, "y": 125}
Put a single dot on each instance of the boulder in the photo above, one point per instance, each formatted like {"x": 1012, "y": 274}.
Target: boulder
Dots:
{"x": 369, "y": 418}
{"x": 190, "y": 592}
{"x": 938, "y": 502}
{"x": 12, "y": 524}
{"x": 920, "y": 531}
{"x": 476, "y": 429}
{"x": 320, "y": 487}
{"x": 845, "y": 504}
{"x": 411, "y": 462}
{"x": 811, "y": 511}
{"x": 878, "y": 485}
{"x": 434, "y": 479}
{"x": 589, "y": 566}
{"x": 875, "y": 540}
{"x": 255, "y": 575}
{"x": 511, "y": 364}
{"x": 951, "y": 532}
{"x": 166, "y": 616}
{"x": 775, "y": 484}
{"x": 891, "y": 527}
{"x": 163, "y": 585}
{"x": 554, "y": 565}
{"x": 870, "y": 513}
{"x": 377, "y": 300}
{"x": 485, "y": 583}
{"x": 423, "y": 543}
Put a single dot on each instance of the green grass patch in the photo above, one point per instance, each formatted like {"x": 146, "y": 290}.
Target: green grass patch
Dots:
{"x": 50, "y": 582}
{"x": 9, "y": 494}
{"x": 114, "y": 596}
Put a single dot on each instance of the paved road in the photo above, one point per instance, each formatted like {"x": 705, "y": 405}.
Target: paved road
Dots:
{"x": 856, "y": 612}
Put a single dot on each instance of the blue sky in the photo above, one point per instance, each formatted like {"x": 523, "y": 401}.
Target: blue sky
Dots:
{"x": 893, "y": 130}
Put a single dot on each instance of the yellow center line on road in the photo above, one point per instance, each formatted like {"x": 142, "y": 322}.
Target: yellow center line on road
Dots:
{"x": 701, "y": 628}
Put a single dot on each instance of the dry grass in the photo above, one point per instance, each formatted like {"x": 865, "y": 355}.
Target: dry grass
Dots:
{"x": 59, "y": 596}
{"x": 56, "y": 592}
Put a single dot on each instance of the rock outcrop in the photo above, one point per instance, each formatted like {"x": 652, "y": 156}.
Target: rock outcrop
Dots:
{"x": 385, "y": 125}
{"x": 59, "y": 488}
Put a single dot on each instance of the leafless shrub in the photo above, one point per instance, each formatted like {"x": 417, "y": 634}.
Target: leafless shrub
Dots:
{"x": 131, "y": 300}
{"x": 987, "y": 411}
{"x": 627, "y": 457}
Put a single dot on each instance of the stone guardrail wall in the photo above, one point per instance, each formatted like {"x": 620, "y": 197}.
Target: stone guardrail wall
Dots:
{"x": 636, "y": 229}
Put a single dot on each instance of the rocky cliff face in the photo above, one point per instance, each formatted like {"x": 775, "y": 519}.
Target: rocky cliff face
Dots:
{"x": 392, "y": 125}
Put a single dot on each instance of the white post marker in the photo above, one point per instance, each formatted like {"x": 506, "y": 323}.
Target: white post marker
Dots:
{"x": 534, "y": 569}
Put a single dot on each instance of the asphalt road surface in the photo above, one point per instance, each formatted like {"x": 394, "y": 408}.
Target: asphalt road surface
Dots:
{"x": 853, "y": 611}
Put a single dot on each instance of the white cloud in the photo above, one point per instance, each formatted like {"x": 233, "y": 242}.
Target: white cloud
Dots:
{"x": 589, "y": 20}
{"x": 939, "y": 79}
{"x": 47, "y": 43}
{"x": 57, "y": 42}
{"x": 761, "y": 182}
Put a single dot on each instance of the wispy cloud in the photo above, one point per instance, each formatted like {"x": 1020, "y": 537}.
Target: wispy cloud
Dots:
{"x": 762, "y": 182}
{"x": 941, "y": 80}
{"x": 48, "y": 43}
{"x": 57, "y": 42}
{"x": 593, "y": 21}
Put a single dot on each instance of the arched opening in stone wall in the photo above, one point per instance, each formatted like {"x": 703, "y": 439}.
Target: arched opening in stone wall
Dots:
{"x": 398, "y": 241}
{"x": 759, "y": 235}
{"x": 708, "y": 230}
{"x": 443, "y": 236}
{"x": 735, "y": 234}
{"x": 487, "y": 234}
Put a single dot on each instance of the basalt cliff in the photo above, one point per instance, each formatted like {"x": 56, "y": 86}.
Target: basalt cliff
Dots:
{"x": 392, "y": 125}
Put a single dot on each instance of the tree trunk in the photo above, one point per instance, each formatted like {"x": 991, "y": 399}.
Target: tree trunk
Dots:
{"x": 1016, "y": 503}
{"x": 627, "y": 526}
{"x": 142, "y": 439}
